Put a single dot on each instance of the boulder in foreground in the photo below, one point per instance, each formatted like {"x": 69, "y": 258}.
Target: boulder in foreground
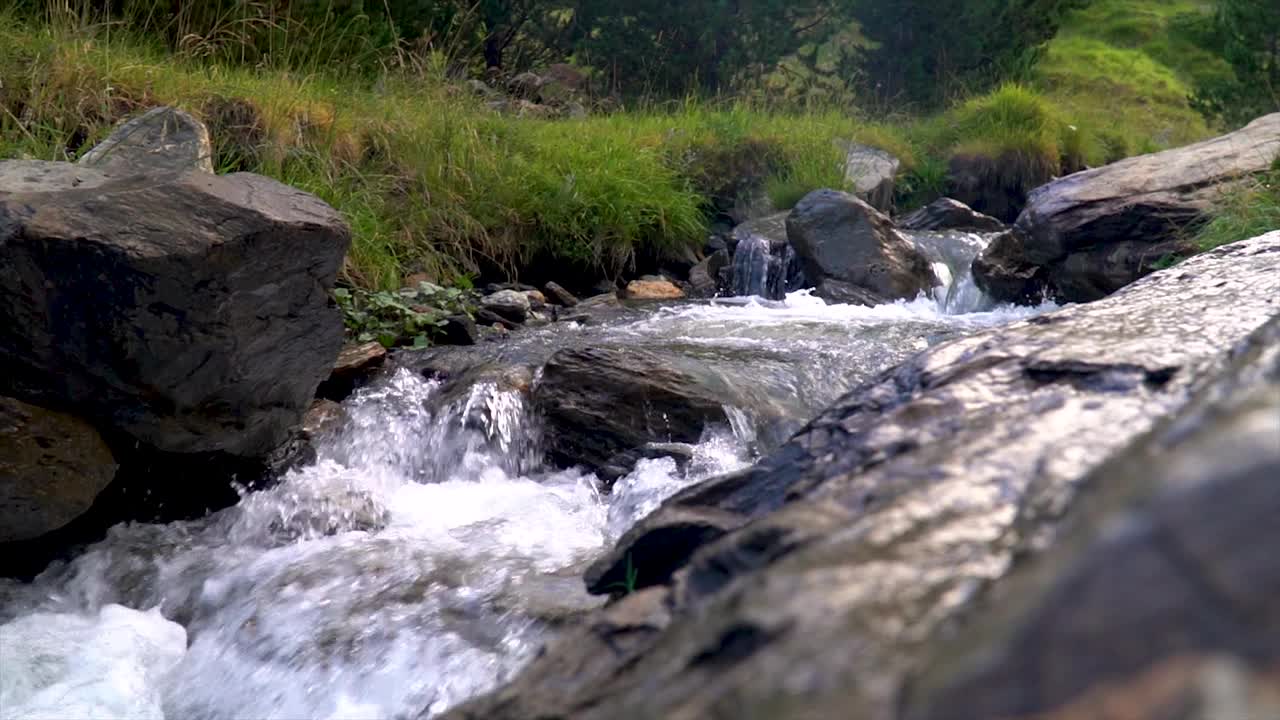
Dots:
{"x": 825, "y": 582}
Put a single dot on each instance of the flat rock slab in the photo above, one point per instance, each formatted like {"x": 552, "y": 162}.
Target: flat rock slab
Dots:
{"x": 891, "y": 513}
{"x": 189, "y": 311}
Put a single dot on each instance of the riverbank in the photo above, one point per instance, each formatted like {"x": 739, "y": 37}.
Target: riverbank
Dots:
{"x": 436, "y": 184}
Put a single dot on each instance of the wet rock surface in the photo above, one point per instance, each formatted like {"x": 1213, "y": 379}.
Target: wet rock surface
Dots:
{"x": 598, "y": 403}
{"x": 843, "y": 239}
{"x": 837, "y": 566}
{"x": 52, "y": 466}
{"x": 1090, "y": 233}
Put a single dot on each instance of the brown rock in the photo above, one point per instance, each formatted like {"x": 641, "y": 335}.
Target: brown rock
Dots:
{"x": 52, "y": 466}
{"x": 653, "y": 290}
{"x": 559, "y": 295}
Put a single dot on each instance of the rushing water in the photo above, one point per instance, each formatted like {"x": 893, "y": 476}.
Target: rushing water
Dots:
{"x": 427, "y": 553}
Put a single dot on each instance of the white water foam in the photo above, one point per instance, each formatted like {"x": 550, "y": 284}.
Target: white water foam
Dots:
{"x": 412, "y": 567}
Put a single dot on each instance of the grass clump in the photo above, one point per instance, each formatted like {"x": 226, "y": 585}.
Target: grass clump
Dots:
{"x": 1249, "y": 210}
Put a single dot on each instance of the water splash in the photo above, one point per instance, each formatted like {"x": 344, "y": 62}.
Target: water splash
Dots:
{"x": 418, "y": 563}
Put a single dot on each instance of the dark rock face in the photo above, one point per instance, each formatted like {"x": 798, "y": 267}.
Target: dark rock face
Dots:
{"x": 841, "y": 238}
{"x": 1002, "y": 273}
{"x": 948, "y": 214}
{"x": 1095, "y": 231}
{"x": 162, "y": 140}
{"x": 582, "y": 394}
{"x": 52, "y": 466}
{"x": 998, "y": 186}
{"x": 558, "y": 295}
{"x": 190, "y": 311}
{"x": 354, "y": 365}
{"x": 827, "y": 581}
{"x": 704, "y": 278}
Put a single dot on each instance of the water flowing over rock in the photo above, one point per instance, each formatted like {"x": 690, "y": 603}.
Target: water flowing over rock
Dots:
{"x": 1093, "y": 232}
{"x": 52, "y": 466}
{"x": 825, "y": 579}
{"x": 764, "y": 263}
{"x": 162, "y": 140}
{"x": 189, "y": 311}
{"x": 843, "y": 241}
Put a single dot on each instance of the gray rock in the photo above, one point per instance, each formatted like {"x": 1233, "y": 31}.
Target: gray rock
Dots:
{"x": 838, "y": 566}
{"x": 948, "y": 214}
{"x": 160, "y": 141}
{"x": 558, "y": 295}
{"x": 52, "y": 466}
{"x": 190, "y": 311}
{"x": 1160, "y": 592}
{"x": 704, "y": 278}
{"x": 871, "y": 173}
{"x": 1095, "y": 231}
{"x": 512, "y": 305}
{"x": 1003, "y": 273}
{"x": 841, "y": 238}
{"x": 459, "y": 330}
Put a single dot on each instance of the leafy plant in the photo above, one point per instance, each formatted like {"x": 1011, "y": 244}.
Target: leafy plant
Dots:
{"x": 628, "y": 584}
{"x": 409, "y": 316}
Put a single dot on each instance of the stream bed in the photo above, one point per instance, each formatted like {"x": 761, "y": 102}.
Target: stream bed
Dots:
{"x": 429, "y": 552}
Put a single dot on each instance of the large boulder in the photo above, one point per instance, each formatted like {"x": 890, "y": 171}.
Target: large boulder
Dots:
{"x": 843, "y": 239}
{"x": 187, "y": 310}
{"x": 828, "y": 580}
{"x": 52, "y": 466}
{"x": 870, "y": 172}
{"x": 1095, "y": 231}
{"x": 161, "y": 140}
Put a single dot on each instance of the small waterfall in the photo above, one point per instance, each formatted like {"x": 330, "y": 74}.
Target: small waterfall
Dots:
{"x": 751, "y": 267}
{"x": 952, "y": 254}
{"x": 762, "y": 270}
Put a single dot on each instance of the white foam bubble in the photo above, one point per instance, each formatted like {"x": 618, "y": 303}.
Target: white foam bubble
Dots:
{"x": 109, "y": 665}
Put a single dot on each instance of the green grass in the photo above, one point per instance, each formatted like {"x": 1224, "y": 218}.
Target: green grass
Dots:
{"x": 1250, "y": 210}
{"x": 431, "y": 181}
{"x": 436, "y": 185}
{"x": 1127, "y": 68}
